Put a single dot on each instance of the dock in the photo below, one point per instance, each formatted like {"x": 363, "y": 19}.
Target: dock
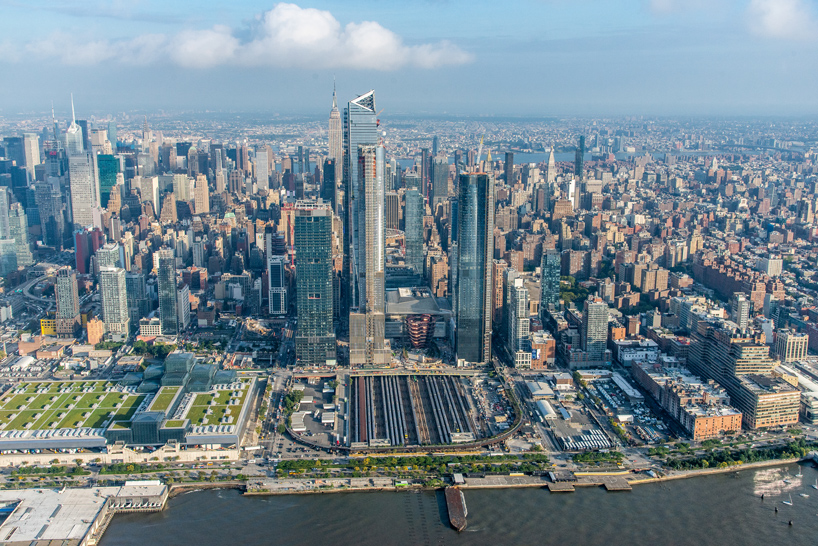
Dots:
{"x": 73, "y": 516}
{"x": 560, "y": 487}
{"x": 456, "y": 505}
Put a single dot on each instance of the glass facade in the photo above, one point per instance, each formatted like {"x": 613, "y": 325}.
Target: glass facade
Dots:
{"x": 167, "y": 292}
{"x": 550, "y": 282}
{"x": 108, "y": 167}
{"x": 475, "y": 249}
{"x": 315, "y": 340}
{"x": 413, "y": 233}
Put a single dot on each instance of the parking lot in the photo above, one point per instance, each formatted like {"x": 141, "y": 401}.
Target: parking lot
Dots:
{"x": 631, "y": 413}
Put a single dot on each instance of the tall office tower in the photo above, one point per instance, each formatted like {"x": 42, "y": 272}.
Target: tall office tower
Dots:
{"x": 31, "y": 149}
{"x": 262, "y": 170}
{"x": 550, "y": 280}
{"x": 328, "y": 183}
{"x": 112, "y": 134}
{"x": 66, "y": 293}
{"x": 509, "y": 168}
{"x": 49, "y": 202}
{"x": 413, "y": 232}
{"x": 137, "y": 294}
{"x": 166, "y": 285}
{"x": 579, "y": 159}
{"x": 86, "y": 134}
{"x": 551, "y": 168}
{"x": 74, "y": 143}
{"x": 595, "y": 328}
{"x": 5, "y": 204}
{"x": 201, "y": 195}
{"x": 8, "y": 256}
{"x": 367, "y": 319}
{"x": 108, "y": 167}
{"x": 740, "y": 310}
{"x": 440, "y": 180}
{"x": 391, "y": 210}
{"x": 149, "y": 190}
{"x": 181, "y": 187}
{"x": 114, "y": 292}
{"x": 109, "y": 255}
{"x": 425, "y": 167}
{"x": 18, "y": 230}
{"x": 82, "y": 175}
{"x": 791, "y": 346}
{"x": 519, "y": 344}
{"x": 412, "y": 180}
{"x": 315, "y": 339}
{"x": 473, "y": 288}
{"x": 335, "y": 138}
{"x": 15, "y": 150}
{"x": 360, "y": 129}
{"x": 277, "y": 278}
{"x": 435, "y": 146}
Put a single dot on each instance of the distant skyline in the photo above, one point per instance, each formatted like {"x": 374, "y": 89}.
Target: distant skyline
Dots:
{"x": 519, "y": 57}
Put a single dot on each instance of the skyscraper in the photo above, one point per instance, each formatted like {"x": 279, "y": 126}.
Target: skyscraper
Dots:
{"x": 367, "y": 320}
{"x": 201, "y": 195}
{"x": 74, "y": 142}
{"x": 440, "y": 180}
{"x": 335, "y": 138}
{"x": 550, "y": 280}
{"x": 114, "y": 292}
{"x": 138, "y": 303}
{"x": 108, "y": 167}
{"x": 315, "y": 339}
{"x": 595, "y": 328}
{"x": 475, "y": 233}
{"x": 18, "y": 230}
{"x": 5, "y": 205}
{"x": 740, "y": 308}
{"x": 262, "y": 170}
{"x": 519, "y": 344}
{"x": 413, "y": 232}
{"x": 82, "y": 174}
{"x": 31, "y": 149}
{"x": 166, "y": 285}
{"x": 435, "y": 145}
{"x": 278, "y": 284}
{"x": 509, "y": 168}
{"x": 328, "y": 183}
{"x": 68, "y": 302}
{"x": 360, "y": 129}
{"x": 579, "y": 159}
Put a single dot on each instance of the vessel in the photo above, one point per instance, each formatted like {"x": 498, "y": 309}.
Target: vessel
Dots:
{"x": 456, "y": 504}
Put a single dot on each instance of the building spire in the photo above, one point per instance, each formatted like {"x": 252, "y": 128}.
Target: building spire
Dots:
{"x": 73, "y": 115}
{"x": 334, "y": 96}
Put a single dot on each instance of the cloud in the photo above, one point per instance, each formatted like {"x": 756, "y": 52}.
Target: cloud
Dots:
{"x": 787, "y": 19}
{"x": 285, "y": 36}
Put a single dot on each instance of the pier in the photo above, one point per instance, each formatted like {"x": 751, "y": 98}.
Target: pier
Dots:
{"x": 456, "y": 505}
{"x": 75, "y": 517}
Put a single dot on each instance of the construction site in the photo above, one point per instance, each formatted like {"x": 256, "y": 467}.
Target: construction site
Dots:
{"x": 411, "y": 410}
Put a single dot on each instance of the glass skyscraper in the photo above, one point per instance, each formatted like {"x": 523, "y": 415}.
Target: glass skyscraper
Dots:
{"x": 473, "y": 288}
{"x": 108, "y": 167}
{"x": 413, "y": 232}
{"x": 550, "y": 281}
{"x": 360, "y": 129}
{"x": 315, "y": 339}
{"x": 367, "y": 319}
{"x": 166, "y": 280}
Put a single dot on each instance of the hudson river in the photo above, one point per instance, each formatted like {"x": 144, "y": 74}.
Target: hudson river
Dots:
{"x": 723, "y": 510}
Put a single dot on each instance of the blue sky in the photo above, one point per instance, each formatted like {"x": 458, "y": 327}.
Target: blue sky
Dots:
{"x": 519, "y": 57}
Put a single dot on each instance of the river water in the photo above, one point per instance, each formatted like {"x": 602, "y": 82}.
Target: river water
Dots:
{"x": 723, "y": 509}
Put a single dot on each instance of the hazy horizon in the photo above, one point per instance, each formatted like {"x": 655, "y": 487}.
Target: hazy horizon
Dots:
{"x": 531, "y": 58}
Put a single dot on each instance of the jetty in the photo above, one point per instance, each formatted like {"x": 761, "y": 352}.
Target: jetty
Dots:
{"x": 456, "y": 504}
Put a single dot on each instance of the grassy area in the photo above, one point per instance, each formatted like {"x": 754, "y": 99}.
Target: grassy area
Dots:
{"x": 163, "y": 399}
{"x": 176, "y": 423}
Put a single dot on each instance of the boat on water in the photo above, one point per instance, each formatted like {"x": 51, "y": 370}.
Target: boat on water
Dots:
{"x": 456, "y": 504}
{"x": 803, "y": 495}
{"x": 789, "y": 502}
{"x": 815, "y": 485}
{"x": 799, "y": 475}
